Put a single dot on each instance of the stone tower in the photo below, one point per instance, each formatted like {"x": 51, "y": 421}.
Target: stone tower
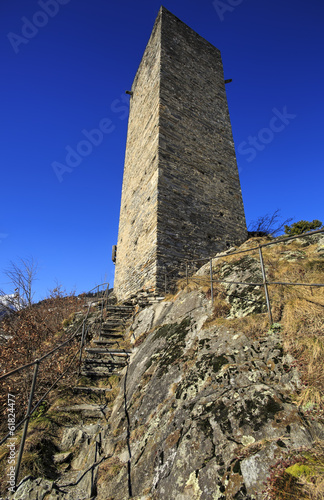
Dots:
{"x": 181, "y": 196}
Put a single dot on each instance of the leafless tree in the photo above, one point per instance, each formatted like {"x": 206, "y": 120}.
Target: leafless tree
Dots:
{"x": 269, "y": 224}
{"x": 22, "y": 276}
{"x": 58, "y": 291}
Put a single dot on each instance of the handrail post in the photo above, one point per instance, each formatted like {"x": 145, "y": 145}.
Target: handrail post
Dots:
{"x": 81, "y": 346}
{"x": 24, "y": 434}
{"x": 101, "y": 315}
{"x": 187, "y": 279}
{"x": 106, "y": 298}
{"x": 85, "y": 335}
{"x": 211, "y": 281}
{"x": 265, "y": 284}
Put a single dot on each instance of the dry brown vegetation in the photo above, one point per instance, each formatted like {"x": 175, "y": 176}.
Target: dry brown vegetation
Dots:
{"x": 26, "y": 336}
{"x": 31, "y": 333}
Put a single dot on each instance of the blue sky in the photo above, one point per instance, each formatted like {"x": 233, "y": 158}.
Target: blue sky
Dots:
{"x": 65, "y": 67}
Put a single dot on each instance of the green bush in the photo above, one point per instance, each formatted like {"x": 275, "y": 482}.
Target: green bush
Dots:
{"x": 303, "y": 226}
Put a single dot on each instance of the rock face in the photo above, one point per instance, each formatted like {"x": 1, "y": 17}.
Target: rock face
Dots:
{"x": 202, "y": 413}
{"x": 243, "y": 299}
{"x": 208, "y": 410}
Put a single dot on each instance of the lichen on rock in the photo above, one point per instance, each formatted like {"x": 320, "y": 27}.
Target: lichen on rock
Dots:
{"x": 209, "y": 412}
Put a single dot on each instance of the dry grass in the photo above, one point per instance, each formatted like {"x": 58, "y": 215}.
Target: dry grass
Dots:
{"x": 201, "y": 283}
{"x": 300, "y": 310}
{"x": 109, "y": 469}
{"x": 303, "y": 321}
{"x": 299, "y": 476}
{"x": 253, "y": 326}
{"x": 39, "y": 448}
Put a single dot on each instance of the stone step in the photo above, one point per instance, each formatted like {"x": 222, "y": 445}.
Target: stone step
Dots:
{"x": 116, "y": 325}
{"x": 81, "y": 407}
{"x": 111, "y": 324}
{"x": 106, "y": 339}
{"x": 115, "y": 318}
{"x": 102, "y": 351}
{"x": 106, "y": 359}
{"x": 120, "y": 308}
{"x": 101, "y": 341}
{"x": 118, "y": 315}
{"x": 101, "y": 370}
{"x": 113, "y": 330}
{"x": 111, "y": 334}
{"x": 87, "y": 410}
{"x": 91, "y": 390}
{"x": 113, "y": 344}
{"x": 119, "y": 352}
{"x": 102, "y": 363}
{"x": 98, "y": 373}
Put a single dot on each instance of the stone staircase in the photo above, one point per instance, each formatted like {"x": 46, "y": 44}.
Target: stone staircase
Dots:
{"x": 106, "y": 355}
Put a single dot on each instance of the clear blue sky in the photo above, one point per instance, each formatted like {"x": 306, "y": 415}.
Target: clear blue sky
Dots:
{"x": 66, "y": 72}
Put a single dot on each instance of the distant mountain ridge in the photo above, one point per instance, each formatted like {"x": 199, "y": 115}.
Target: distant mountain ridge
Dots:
{"x": 10, "y": 303}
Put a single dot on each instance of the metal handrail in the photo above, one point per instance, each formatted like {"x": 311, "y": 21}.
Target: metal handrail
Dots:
{"x": 265, "y": 283}
{"x": 276, "y": 242}
{"x": 36, "y": 363}
{"x": 55, "y": 348}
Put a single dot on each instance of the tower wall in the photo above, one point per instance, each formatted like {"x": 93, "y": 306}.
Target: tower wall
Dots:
{"x": 181, "y": 196}
{"x": 200, "y": 209}
{"x": 137, "y": 236}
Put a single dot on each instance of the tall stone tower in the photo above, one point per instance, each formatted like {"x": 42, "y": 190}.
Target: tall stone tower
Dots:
{"x": 181, "y": 196}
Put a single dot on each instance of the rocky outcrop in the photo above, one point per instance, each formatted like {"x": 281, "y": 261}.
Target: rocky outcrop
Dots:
{"x": 203, "y": 412}
{"x": 243, "y": 299}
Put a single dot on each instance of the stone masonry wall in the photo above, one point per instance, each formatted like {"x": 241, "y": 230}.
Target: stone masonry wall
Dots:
{"x": 200, "y": 209}
{"x": 137, "y": 237}
{"x": 181, "y": 196}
